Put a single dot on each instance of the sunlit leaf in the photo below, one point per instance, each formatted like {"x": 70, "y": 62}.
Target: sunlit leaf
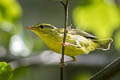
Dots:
{"x": 5, "y": 71}
{"x": 101, "y": 17}
{"x": 9, "y": 10}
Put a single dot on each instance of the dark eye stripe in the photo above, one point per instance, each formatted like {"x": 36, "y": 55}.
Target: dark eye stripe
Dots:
{"x": 41, "y": 26}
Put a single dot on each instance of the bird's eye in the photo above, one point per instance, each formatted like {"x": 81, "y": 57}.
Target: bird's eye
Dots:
{"x": 41, "y": 26}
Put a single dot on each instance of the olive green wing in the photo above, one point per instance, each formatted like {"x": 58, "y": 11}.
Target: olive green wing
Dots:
{"x": 82, "y": 33}
{"x": 76, "y": 32}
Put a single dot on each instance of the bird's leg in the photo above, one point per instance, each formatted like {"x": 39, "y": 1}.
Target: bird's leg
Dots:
{"x": 69, "y": 44}
{"x": 70, "y": 26}
{"x": 66, "y": 44}
{"x": 73, "y": 59}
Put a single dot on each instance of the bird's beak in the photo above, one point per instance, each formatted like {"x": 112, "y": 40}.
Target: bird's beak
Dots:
{"x": 30, "y": 28}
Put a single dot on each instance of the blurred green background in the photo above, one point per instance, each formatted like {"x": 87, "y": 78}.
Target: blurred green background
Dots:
{"x": 29, "y": 56}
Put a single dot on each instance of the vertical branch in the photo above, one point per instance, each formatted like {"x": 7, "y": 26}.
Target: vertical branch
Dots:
{"x": 64, "y": 38}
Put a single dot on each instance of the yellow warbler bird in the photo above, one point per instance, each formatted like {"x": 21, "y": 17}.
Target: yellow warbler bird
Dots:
{"x": 77, "y": 42}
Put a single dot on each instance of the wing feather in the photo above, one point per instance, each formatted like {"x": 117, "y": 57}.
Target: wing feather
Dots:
{"x": 82, "y": 33}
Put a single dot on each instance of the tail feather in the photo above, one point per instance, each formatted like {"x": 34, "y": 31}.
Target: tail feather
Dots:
{"x": 104, "y": 44}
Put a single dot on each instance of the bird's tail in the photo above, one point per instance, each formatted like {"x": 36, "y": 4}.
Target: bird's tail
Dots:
{"x": 104, "y": 44}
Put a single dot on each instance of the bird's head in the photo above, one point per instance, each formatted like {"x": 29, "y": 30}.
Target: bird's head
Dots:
{"x": 41, "y": 28}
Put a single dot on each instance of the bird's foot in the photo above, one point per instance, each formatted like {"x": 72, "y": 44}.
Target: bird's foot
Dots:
{"x": 69, "y": 44}
{"x": 66, "y": 44}
{"x": 63, "y": 64}
{"x": 66, "y": 62}
{"x": 73, "y": 59}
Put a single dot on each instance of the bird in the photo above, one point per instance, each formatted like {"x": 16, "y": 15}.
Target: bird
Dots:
{"x": 78, "y": 42}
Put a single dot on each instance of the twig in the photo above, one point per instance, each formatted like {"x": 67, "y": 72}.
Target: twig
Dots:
{"x": 62, "y": 3}
{"x": 64, "y": 38}
{"x": 108, "y": 72}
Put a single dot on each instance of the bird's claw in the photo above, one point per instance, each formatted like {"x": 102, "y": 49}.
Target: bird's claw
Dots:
{"x": 65, "y": 44}
{"x": 68, "y": 44}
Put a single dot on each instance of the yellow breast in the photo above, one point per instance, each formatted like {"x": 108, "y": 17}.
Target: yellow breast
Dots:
{"x": 55, "y": 44}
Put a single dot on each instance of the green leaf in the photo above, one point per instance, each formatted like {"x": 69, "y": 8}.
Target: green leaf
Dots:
{"x": 6, "y": 71}
{"x": 100, "y": 17}
{"x": 9, "y": 10}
